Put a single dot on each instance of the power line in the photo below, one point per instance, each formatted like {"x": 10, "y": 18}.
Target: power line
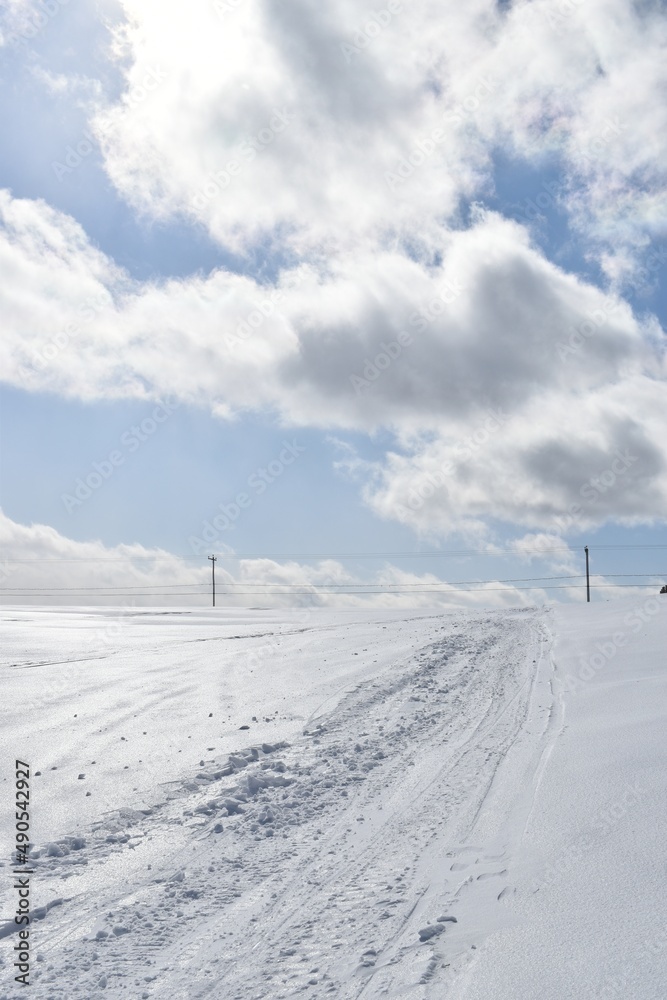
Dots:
{"x": 319, "y": 586}
{"x": 290, "y": 591}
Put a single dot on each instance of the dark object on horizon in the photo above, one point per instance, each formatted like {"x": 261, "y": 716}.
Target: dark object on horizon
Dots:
{"x": 663, "y": 590}
{"x": 213, "y": 560}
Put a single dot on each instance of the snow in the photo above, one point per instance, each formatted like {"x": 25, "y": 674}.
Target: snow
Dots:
{"x": 252, "y": 804}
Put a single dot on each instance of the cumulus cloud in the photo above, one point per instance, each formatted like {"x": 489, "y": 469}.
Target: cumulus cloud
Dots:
{"x": 267, "y": 97}
{"x": 37, "y": 560}
{"x": 366, "y": 127}
{"x": 566, "y": 461}
{"x": 370, "y": 340}
{"x": 511, "y": 382}
{"x": 350, "y": 145}
{"x": 128, "y": 576}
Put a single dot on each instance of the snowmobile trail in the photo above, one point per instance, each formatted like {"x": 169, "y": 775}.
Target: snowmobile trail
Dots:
{"x": 368, "y": 857}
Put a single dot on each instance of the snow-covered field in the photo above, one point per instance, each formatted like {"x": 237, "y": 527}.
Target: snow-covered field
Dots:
{"x": 368, "y": 804}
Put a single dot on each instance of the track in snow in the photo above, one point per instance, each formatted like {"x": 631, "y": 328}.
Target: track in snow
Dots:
{"x": 313, "y": 867}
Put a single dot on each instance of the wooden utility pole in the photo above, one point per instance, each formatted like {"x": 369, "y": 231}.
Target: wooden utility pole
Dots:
{"x": 588, "y": 577}
{"x": 212, "y": 560}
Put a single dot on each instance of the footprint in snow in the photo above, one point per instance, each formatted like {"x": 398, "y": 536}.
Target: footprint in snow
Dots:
{"x": 481, "y": 878}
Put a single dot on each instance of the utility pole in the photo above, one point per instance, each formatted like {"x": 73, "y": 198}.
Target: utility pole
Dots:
{"x": 588, "y": 577}
{"x": 213, "y": 560}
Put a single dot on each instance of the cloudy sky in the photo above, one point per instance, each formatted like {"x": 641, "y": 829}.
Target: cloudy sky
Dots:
{"x": 302, "y": 284}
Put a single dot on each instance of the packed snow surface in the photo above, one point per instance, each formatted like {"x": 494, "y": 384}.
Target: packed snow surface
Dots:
{"x": 265, "y": 804}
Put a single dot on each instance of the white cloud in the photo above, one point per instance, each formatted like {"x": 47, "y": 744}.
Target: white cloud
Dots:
{"x": 346, "y": 145}
{"x": 127, "y": 576}
{"x": 576, "y": 460}
{"x": 37, "y": 558}
{"x": 266, "y": 99}
{"x": 495, "y": 345}
{"x": 319, "y": 107}
{"x": 318, "y": 128}
{"x": 372, "y": 340}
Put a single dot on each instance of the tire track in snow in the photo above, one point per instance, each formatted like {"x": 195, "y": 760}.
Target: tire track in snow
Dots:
{"x": 353, "y": 883}
{"x": 320, "y": 880}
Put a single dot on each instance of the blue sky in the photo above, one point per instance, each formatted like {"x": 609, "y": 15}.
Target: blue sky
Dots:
{"x": 535, "y": 203}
